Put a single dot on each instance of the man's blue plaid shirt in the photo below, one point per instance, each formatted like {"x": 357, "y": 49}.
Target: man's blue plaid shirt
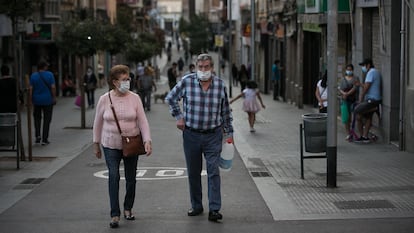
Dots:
{"x": 201, "y": 109}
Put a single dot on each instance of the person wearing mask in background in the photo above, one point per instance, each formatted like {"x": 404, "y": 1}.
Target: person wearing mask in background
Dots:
{"x": 42, "y": 94}
{"x": 321, "y": 93}
{"x": 205, "y": 120}
{"x": 370, "y": 99}
{"x": 132, "y": 120}
{"x": 90, "y": 82}
{"x": 348, "y": 88}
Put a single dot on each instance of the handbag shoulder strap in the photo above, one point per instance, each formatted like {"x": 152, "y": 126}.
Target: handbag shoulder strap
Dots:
{"x": 113, "y": 111}
{"x": 44, "y": 82}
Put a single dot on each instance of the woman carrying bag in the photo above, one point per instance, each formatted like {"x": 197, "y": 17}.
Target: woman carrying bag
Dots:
{"x": 132, "y": 120}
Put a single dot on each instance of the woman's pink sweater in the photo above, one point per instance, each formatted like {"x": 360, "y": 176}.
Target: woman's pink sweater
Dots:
{"x": 131, "y": 117}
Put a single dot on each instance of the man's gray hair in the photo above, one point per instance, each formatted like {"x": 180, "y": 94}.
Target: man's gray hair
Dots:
{"x": 205, "y": 57}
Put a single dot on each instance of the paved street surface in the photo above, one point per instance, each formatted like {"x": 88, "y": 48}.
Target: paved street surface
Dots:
{"x": 67, "y": 186}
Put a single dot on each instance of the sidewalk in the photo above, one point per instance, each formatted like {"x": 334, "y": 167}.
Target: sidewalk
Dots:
{"x": 373, "y": 181}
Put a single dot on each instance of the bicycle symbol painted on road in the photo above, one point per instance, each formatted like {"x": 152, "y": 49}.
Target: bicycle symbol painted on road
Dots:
{"x": 153, "y": 173}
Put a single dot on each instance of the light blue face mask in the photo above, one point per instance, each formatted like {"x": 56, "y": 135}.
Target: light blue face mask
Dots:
{"x": 349, "y": 72}
{"x": 364, "y": 69}
{"x": 124, "y": 87}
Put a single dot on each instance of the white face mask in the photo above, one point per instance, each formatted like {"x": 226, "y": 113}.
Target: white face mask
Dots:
{"x": 124, "y": 86}
{"x": 364, "y": 69}
{"x": 203, "y": 75}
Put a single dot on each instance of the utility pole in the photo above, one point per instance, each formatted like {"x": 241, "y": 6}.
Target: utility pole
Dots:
{"x": 332, "y": 38}
{"x": 229, "y": 3}
{"x": 253, "y": 38}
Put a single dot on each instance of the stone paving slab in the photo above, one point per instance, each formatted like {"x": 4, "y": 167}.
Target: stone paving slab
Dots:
{"x": 373, "y": 181}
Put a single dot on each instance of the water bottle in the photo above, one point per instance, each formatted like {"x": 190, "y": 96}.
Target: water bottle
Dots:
{"x": 227, "y": 154}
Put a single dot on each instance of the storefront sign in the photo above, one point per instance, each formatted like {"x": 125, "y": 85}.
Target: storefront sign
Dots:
{"x": 41, "y": 32}
{"x": 219, "y": 40}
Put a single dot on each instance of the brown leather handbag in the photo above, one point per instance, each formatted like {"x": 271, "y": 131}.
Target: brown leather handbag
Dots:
{"x": 131, "y": 145}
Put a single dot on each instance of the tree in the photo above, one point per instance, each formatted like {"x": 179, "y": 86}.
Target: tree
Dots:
{"x": 18, "y": 8}
{"x": 141, "y": 49}
{"x": 198, "y": 31}
{"x": 124, "y": 17}
{"x": 80, "y": 38}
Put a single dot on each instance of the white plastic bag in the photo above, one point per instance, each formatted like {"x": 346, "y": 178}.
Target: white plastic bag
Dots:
{"x": 226, "y": 157}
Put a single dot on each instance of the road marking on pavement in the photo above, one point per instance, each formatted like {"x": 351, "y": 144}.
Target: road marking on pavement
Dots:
{"x": 153, "y": 173}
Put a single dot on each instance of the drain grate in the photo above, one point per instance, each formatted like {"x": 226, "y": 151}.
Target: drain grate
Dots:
{"x": 260, "y": 174}
{"x": 364, "y": 204}
{"x": 32, "y": 181}
{"x": 29, "y": 183}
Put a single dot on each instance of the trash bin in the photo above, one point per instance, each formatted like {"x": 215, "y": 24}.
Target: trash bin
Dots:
{"x": 7, "y": 129}
{"x": 314, "y": 125}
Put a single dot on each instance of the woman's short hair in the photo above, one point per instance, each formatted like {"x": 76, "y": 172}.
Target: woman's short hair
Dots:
{"x": 115, "y": 72}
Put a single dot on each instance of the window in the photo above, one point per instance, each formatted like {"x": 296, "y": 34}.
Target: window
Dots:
{"x": 52, "y": 9}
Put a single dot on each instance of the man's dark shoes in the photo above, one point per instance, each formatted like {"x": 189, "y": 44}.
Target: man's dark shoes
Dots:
{"x": 37, "y": 140}
{"x": 195, "y": 212}
{"x": 214, "y": 216}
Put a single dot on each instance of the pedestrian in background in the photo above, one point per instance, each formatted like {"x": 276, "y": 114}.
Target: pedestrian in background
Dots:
{"x": 101, "y": 75}
{"x": 276, "y": 79}
{"x": 180, "y": 64}
{"x": 145, "y": 85}
{"x": 370, "y": 99}
{"x": 132, "y": 120}
{"x": 234, "y": 75}
{"x": 42, "y": 94}
{"x": 205, "y": 117}
{"x": 172, "y": 75}
{"x": 321, "y": 93}
{"x": 68, "y": 87}
{"x": 191, "y": 70}
{"x": 348, "y": 88}
{"x": 243, "y": 77}
{"x": 250, "y": 104}
{"x": 90, "y": 82}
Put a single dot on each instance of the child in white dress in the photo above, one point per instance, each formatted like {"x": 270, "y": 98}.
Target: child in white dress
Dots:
{"x": 250, "y": 104}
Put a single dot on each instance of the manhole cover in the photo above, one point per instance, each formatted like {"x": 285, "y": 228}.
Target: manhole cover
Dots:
{"x": 364, "y": 204}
